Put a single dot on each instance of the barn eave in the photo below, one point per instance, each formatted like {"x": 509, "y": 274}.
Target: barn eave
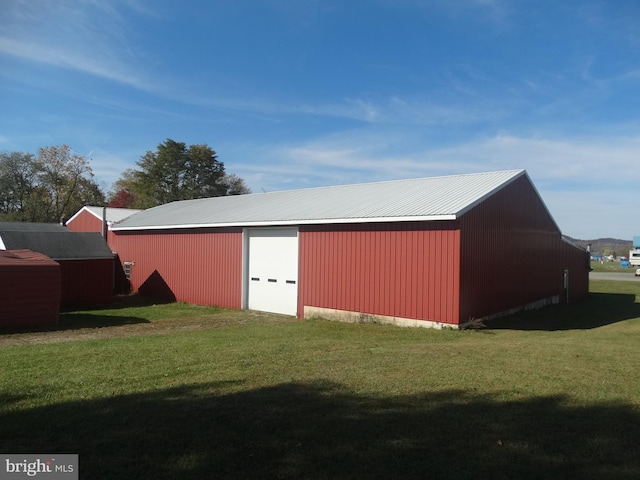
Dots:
{"x": 293, "y": 222}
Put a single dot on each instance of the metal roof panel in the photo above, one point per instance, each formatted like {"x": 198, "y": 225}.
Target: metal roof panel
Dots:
{"x": 401, "y": 200}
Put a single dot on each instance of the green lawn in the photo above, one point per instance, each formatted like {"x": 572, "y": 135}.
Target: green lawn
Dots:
{"x": 551, "y": 394}
{"x": 612, "y": 267}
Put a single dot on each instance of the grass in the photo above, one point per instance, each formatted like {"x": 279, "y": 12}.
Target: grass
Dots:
{"x": 612, "y": 267}
{"x": 553, "y": 393}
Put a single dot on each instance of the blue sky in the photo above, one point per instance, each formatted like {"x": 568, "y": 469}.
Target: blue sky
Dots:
{"x": 303, "y": 93}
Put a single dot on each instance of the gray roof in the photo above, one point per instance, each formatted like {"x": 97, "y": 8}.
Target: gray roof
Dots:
{"x": 53, "y": 240}
{"x": 435, "y": 198}
{"x": 31, "y": 227}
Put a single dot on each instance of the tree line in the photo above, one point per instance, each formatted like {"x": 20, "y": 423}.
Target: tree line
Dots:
{"x": 55, "y": 183}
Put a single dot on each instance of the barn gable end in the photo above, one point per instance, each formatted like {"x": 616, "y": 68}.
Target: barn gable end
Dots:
{"x": 512, "y": 253}
{"x": 97, "y": 219}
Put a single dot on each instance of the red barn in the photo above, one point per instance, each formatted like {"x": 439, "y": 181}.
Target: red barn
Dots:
{"x": 24, "y": 273}
{"x": 424, "y": 252}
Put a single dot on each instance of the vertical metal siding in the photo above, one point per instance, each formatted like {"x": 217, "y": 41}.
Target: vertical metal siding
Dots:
{"x": 576, "y": 261}
{"x": 85, "y": 222}
{"x": 504, "y": 253}
{"x": 29, "y": 289}
{"x": 86, "y": 282}
{"x": 511, "y": 253}
{"x": 202, "y": 266}
{"x": 407, "y": 270}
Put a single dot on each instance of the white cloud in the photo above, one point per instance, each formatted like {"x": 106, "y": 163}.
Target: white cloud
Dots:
{"x": 591, "y": 214}
{"x": 89, "y": 37}
{"x": 575, "y": 160}
{"x": 400, "y": 110}
{"x": 109, "y": 166}
{"x": 585, "y": 182}
{"x": 548, "y": 159}
{"x": 65, "y": 58}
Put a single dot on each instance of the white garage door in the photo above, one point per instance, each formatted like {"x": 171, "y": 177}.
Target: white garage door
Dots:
{"x": 272, "y": 274}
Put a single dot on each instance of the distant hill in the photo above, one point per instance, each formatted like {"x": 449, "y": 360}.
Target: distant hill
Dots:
{"x": 606, "y": 246}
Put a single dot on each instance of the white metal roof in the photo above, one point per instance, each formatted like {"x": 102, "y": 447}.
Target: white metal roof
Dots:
{"x": 435, "y": 198}
{"x": 113, "y": 214}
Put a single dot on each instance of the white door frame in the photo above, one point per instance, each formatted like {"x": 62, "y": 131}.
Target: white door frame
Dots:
{"x": 246, "y": 235}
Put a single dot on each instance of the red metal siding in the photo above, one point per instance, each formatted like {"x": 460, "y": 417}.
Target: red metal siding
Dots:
{"x": 85, "y": 222}
{"x": 576, "y": 261}
{"x": 29, "y": 289}
{"x": 86, "y": 282}
{"x": 201, "y": 266}
{"x": 407, "y": 270}
{"x": 503, "y": 254}
{"x": 511, "y": 253}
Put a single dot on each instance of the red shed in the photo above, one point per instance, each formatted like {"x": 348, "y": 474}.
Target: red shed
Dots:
{"x": 86, "y": 262}
{"x": 29, "y": 289}
{"x": 422, "y": 252}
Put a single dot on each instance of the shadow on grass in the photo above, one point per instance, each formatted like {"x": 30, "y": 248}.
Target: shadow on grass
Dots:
{"x": 598, "y": 310}
{"x": 74, "y": 321}
{"x": 322, "y": 431}
{"x": 93, "y": 318}
{"x": 122, "y": 301}
{"x": 77, "y": 321}
{"x": 73, "y": 318}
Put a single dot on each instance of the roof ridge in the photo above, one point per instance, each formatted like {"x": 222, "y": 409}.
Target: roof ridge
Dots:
{"x": 382, "y": 182}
